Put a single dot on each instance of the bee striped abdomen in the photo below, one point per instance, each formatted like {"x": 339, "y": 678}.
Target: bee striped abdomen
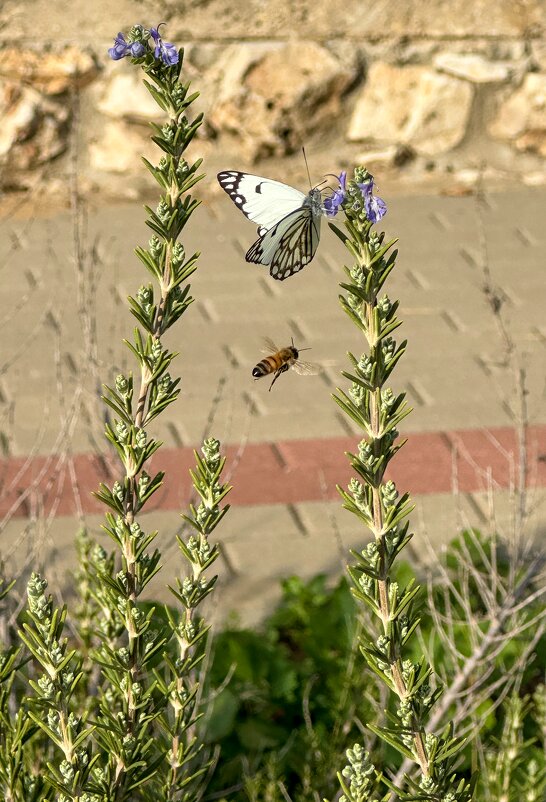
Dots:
{"x": 268, "y": 365}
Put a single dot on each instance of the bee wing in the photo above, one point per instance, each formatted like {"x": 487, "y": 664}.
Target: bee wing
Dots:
{"x": 306, "y": 368}
{"x": 269, "y": 346}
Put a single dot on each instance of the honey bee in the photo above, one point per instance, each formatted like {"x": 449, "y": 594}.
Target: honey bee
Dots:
{"x": 280, "y": 359}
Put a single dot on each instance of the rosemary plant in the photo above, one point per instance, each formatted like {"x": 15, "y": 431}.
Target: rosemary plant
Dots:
{"x": 378, "y": 411}
{"x": 115, "y": 717}
{"x": 52, "y": 708}
{"x": 133, "y": 703}
{"x": 511, "y": 771}
{"x": 178, "y": 682}
{"x": 18, "y": 781}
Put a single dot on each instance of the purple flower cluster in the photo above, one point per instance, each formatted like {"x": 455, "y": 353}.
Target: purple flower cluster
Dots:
{"x": 374, "y": 206}
{"x": 165, "y": 51}
{"x": 122, "y": 48}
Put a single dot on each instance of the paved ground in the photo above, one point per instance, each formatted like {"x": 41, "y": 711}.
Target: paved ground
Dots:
{"x": 62, "y": 333}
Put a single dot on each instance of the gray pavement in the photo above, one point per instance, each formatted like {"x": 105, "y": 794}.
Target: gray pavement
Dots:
{"x": 62, "y": 331}
{"x": 453, "y": 342}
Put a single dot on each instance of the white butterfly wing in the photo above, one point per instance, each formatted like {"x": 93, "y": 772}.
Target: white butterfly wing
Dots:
{"x": 289, "y": 245}
{"x": 262, "y": 200}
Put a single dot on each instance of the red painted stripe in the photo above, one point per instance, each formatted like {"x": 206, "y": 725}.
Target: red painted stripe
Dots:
{"x": 289, "y": 471}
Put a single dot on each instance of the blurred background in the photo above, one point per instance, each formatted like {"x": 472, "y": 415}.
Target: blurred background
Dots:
{"x": 426, "y": 94}
{"x": 445, "y": 105}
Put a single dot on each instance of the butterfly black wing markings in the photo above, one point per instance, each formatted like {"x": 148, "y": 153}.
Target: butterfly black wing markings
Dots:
{"x": 289, "y": 245}
{"x": 296, "y": 247}
{"x": 261, "y": 200}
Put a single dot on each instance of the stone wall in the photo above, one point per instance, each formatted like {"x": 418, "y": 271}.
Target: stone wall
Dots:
{"x": 425, "y": 94}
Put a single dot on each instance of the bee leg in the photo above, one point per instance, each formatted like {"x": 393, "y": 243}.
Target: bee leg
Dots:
{"x": 282, "y": 369}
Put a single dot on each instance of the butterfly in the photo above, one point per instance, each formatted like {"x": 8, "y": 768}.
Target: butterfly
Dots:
{"x": 288, "y": 220}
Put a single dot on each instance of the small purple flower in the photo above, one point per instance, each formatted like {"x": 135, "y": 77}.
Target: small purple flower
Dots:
{"x": 166, "y": 51}
{"x": 333, "y": 203}
{"x": 375, "y": 207}
{"x": 120, "y": 48}
{"x": 137, "y": 49}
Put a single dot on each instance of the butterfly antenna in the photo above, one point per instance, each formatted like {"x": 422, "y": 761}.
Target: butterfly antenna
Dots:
{"x": 307, "y": 168}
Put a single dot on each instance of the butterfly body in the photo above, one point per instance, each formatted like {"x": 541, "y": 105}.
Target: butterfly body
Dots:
{"x": 288, "y": 220}
{"x": 279, "y": 360}
{"x": 314, "y": 200}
